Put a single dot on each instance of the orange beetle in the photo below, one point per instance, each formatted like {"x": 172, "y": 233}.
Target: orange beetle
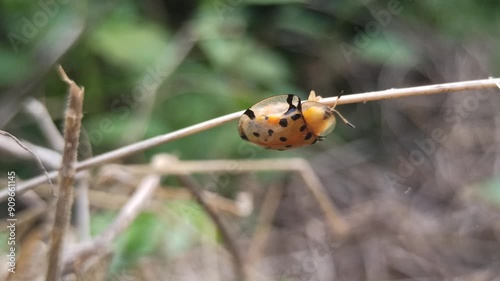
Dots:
{"x": 284, "y": 122}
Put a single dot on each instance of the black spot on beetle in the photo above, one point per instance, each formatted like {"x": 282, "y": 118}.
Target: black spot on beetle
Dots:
{"x": 283, "y": 122}
{"x": 283, "y": 139}
{"x": 266, "y": 118}
{"x": 296, "y": 116}
{"x": 250, "y": 114}
{"x": 256, "y": 134}
{"x": 270, "y": 132}
{"x": 308, "y": 136}
{"x": 303, "y": 128}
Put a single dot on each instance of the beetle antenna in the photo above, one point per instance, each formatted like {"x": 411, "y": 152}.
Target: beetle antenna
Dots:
{"x": 343, "y": 118}
{"x": 338, "y": 97}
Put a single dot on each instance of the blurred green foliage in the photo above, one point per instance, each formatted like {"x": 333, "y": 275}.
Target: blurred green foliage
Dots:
{"x": 243, "y": 52}
{"x": 490, "y": 191}
{"x": 181, "y": 226}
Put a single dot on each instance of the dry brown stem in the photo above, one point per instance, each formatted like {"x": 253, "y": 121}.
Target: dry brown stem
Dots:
{"x": 73, "y": 118}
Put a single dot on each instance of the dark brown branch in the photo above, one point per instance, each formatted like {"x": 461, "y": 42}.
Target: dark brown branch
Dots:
{"x": 231, "y": 246}
{"x": 72, "y": 124}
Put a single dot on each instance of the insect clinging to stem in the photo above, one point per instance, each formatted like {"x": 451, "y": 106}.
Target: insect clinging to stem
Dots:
{"x": 283, "y": 122}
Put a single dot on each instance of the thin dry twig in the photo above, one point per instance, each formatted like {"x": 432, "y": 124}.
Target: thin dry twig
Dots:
{"x": 47, "y": 174}
{"x": 336, "y": 222}
{"x": 172, "y": 136}
{"x": 241, "y": 207}
{"x": 230, "y": 243}
{"x": 100, "y": 245}
{"x": 299, "y": 165}
{"x": 49, "y": 158}
{"x": 415, "y": 91}
{"x": 67, "y": 173}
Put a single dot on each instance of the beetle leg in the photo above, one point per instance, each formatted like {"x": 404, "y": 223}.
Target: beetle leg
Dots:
{"x": 343, "y": 118}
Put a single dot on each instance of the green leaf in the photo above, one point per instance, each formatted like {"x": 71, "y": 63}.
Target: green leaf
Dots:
{"x": 130, "y": 44}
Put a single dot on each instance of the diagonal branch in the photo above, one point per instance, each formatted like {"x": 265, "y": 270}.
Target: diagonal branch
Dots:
{"x": 169, "y": 137}
{"x": 101, "y": 244}
{"x": 231, "y": 246}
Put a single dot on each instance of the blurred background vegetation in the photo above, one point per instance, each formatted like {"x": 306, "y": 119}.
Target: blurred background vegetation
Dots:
{"x": 152, "y": 67}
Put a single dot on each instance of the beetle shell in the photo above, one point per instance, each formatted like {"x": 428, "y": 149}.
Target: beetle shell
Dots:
{"x": 283, "y": 122}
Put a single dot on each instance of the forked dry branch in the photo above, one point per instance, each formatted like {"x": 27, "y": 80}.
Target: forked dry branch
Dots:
{"x": 99, "y": 246}
{"x": 229, "y": 242}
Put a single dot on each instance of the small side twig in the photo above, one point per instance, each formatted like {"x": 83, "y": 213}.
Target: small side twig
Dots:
{"x": 49, "y": 158}
{"x": 172, "y": 136}
{"x": 231, "y": 246}
{"x": 24, "y": 147}
{"x": 335, "y": 220}
{"x": 126, "y": 216}
{"x": 67, "y": 172}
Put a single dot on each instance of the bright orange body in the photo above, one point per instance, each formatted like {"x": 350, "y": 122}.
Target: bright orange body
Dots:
{"x": 283, "y": 122}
